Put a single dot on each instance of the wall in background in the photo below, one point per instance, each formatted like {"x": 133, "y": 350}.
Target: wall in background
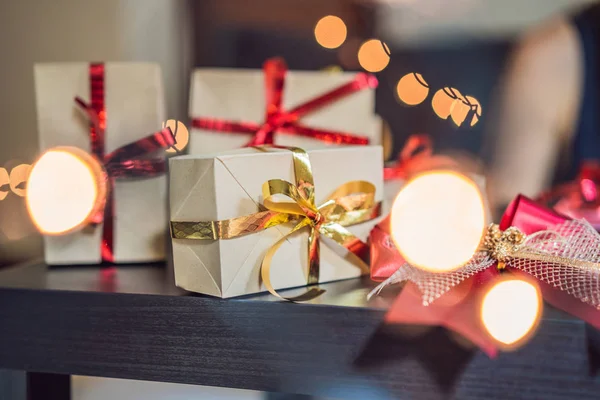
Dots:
{"x": 412, "y": 23}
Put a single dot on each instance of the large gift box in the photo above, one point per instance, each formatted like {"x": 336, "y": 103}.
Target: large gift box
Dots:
{"x": 231, "y": 108}
{"x": 211, "y": 196}
{"x": 129, "y": 100}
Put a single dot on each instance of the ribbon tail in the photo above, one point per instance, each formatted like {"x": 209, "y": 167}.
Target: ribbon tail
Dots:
{"x": 358, "y": 249}
{"x": 160, "y": 140}
{"x": 263, "y": 136}
{"x": 396, "y": 277}
{"x": 314, "y": 255}
{"x": 265, "y": 270}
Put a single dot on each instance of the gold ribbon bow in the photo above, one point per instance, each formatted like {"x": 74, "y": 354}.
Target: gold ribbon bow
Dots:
{"x": 350, "y": 204}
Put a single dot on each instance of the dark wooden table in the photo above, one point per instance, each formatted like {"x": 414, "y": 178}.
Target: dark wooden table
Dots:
{"x": 135, "y": 324}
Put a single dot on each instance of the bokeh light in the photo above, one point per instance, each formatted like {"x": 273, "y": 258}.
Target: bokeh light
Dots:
{"x": 374, "y": 55}
{"x": 18, "y": 179}
{"x": 330, "y": 32}
{"x": 181, "y": 133}
{"x": 63, "y": 190}
{"x": 412, "y": 89}
{"x": 444, "y": 101}
{"x": 4, "y": 183}
{"x": 464, "y": 107}
{"x": 437, "y": 220}
{"x": 510, "y": 310}
{"x": 476, "y": 106}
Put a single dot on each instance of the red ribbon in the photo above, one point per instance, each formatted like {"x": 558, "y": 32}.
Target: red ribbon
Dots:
{"x": 580, "y": 197}
{"x": 279, "y": 120}
{"x": 457, "y": 308}
{"x": 124, "y": 162}
{"x": 415, "y": 156}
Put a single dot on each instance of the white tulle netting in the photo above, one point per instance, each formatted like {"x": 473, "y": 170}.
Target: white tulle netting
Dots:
{"x": 566, "y": 256}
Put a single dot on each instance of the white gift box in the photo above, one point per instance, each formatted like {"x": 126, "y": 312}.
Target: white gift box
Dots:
{"x": 239, "y": 95}
{"x": 229, "y": 185}
{"x": 134, "y": 103}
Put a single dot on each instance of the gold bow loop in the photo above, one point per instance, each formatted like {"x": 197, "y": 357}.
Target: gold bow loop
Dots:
{"x": 350, "y": 204}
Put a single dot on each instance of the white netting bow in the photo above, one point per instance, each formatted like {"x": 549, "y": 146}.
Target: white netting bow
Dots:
{"x": 565, "y": 256}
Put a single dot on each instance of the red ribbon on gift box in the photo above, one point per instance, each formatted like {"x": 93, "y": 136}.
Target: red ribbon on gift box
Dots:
{"x": 279, "y": 120}
{"x": 437, "y": 299}
{"x": 128, "y": 161}
{"x": 416, "y": 156}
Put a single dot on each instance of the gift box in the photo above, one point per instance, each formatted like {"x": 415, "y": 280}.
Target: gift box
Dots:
{"x": 128, "y": 99}
{"x": 232, "y": 108}
{"x": 211, "y": 192}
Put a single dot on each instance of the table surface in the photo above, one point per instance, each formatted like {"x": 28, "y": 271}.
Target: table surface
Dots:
{"x": 133, "y": 323}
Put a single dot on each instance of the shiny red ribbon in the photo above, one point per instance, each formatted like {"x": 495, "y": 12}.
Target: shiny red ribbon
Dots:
{"x": 124, "y": 162}
{"x": 416, "y": 156}
{"x": 279, "y": 120}
{"x": 579, "y": 198}
{"x": 457, "y": 308}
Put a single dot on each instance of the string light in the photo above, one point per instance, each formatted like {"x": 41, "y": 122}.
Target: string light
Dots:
{"x": 4, "y": 183}
{"x": 444, "y": 101}
{"x": 18, "y": 179}
{"x": 64, "y": 190}
{"x": 412, "y": 89}
{"x": 373, "y": 55}
{"x": 437, "y": 220}
{"x": 330, "y": 32}
{"x": 181, "y": 133}
{"x": 463, "y": 107}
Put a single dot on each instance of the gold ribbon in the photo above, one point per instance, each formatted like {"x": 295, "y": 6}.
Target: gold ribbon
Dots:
{"x": 350, "y": 204}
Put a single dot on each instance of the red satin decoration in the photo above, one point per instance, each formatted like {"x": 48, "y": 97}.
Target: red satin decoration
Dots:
{"x": 530, "y": 217}
{"x": 279, "y": 120}
{"x": 416, "y": 149}
{"x": 458, "y": 309}
{"x": 416, "y": 156}
{"x": 578, "y": 198}
{"x": 124, "y": 161}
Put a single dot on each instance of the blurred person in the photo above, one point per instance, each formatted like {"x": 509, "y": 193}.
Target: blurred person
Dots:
{"x": 548, "y": 123}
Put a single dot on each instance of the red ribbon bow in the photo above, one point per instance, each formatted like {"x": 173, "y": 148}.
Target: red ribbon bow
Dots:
{"x": 415, "y": 156}
{"x": 457, "y": 309}
{"x": 279, "y": 120}
{"x": 126, "y": 161}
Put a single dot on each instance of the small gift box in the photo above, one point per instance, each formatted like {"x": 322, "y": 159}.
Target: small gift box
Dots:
{"x": 309, "y": 109}
{"x": 126, "y": 105}
{"x": 252, "y": 219}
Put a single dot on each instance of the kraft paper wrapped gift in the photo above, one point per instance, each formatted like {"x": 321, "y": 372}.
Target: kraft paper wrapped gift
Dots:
{"x": 238, "y": 95}
{"x": 229, "y": 185}
{"x": 134, "y": 104}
